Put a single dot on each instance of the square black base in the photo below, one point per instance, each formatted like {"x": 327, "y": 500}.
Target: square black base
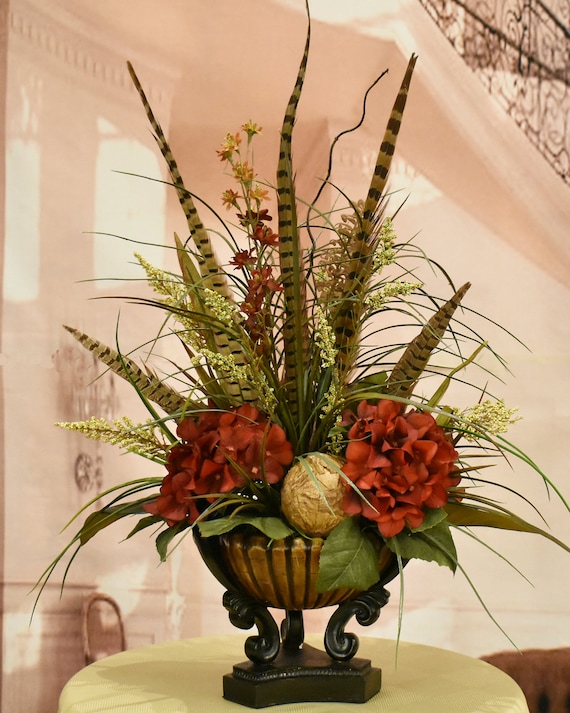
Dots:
{"x": 304, "y": 675}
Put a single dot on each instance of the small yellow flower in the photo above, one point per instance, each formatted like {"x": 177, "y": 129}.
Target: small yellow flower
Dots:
{"x": 398, "y": 288}
{"x": 258, "y": 193}
{"x": 229, "y": 145}
{"x": 493, "y": 416}
{"x": 229, "y": 198}
{"x": 144, "y": 439}
{"x": 243, "y": 172}
{"x": 251, "y": 128}
{"x": 324, "y": 337}
{"x": 163, "y": 283}
{"x": 385, "y": 253}
{"x": 221, "y": 308}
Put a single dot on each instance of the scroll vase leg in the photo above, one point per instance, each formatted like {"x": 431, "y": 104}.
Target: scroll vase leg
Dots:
{"x": 293, "y": 631}
{"x": 245, "y": 613}
{"x": 342, "y": 646}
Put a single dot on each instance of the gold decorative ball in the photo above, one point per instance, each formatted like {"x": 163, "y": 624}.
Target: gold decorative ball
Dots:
{"x": 314, "y": 510}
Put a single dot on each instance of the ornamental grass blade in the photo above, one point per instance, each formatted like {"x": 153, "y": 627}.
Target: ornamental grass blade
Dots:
{"x": 188, "y": 270}
{"x": 295, "y": 332}
{"x": 462, "y": 515}
{"x": 146, "y": 384}
{"x": 442, "y": 390}
{"x": 413, "y": 361}
{"x": 99, "y": 520}
{"x": 211, "y": 273}
{"x": 347, "y": 323}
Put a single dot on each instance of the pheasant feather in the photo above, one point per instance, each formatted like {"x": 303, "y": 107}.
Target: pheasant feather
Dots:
{"x": 416, "y": 356}
{"x": 147, "y": 385}
{"x": 212, "y": 274}
{"x": 290, "y": 258}
{"x": 370, "y": 216}
{"x": 213, "y": 277}
{"x": 349, "y": 314}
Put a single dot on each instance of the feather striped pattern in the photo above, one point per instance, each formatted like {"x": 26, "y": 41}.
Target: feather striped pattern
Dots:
{"x": 348, "y": 318}
{"x": 213, "y": 277}
{"x": 370, "y": 214}
{"x": 211, "y": 272}
{"x": 290, "y": 257}
{"x": 147, "y": 385}
{"x": 413, "y": 361}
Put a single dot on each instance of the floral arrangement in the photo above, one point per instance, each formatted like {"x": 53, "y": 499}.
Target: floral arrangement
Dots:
{"x": 288, "y": 411}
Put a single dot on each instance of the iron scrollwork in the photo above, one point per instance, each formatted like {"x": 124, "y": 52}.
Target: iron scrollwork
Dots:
{"x": 520, "y": 50}
{"x": 341, "y": 646}
{"x": 244, "y": 613}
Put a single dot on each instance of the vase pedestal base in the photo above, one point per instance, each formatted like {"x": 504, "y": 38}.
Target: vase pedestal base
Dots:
{"x": 306, "y": 674}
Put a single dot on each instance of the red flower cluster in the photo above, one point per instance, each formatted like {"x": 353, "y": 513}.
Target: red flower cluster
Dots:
{"x": 402, "y": 463}
{"x": 260, "y": 284}
{"x": 243, "y": 258}
{"x": 264, "y": 235}
{"x": 252, "y": 217}
{"x": 254, "y": 222}
{"x": 218, "y": 451}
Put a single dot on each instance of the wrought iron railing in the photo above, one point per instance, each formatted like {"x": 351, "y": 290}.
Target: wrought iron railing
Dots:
{"x": 520, "y": 49}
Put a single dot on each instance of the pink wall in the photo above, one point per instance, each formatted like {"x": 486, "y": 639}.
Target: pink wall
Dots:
{"x": 209, "y": 67}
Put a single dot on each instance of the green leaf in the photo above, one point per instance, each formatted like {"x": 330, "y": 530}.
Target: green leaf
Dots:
{"x": 101, "y": 519}
{"x": 432, "y": 545}
{"x": 463, "y": 515}
{"x": 165, "y": 538}
{"x": 348, "y": 559}
{"x": 432, "y": 517}
{"x": 143, "y": 523}
{"x": 272, "y": 527}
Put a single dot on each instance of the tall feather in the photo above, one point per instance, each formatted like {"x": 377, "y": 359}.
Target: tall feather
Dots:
{"x": 413, "y": 361}
{"x": 213, "y": 276}
{"x": 370, "y": 216}
{"x": 348, "y": 318}
{"x": 290, "y": 258}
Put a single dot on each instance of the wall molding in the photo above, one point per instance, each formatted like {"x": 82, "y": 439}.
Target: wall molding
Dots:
{"x": 47, "y": 31}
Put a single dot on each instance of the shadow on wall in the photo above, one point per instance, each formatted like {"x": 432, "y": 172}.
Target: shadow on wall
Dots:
{"x": 64, "y": 635}
{"x": 42, "y": 655}
{"x": 102, "y": 628}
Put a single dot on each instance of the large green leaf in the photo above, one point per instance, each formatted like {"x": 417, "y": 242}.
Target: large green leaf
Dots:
{"x": 165, "y": 538}
{"x": 463, "y": 515}
{"x": 348, "y": 559}
{"x": 432, "y": 545}
{"x": 272, "y": 527}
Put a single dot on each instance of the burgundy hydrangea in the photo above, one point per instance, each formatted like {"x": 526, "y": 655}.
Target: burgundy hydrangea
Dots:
{"x": 216, "y": 453}
{"x": 403, "y": 463}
